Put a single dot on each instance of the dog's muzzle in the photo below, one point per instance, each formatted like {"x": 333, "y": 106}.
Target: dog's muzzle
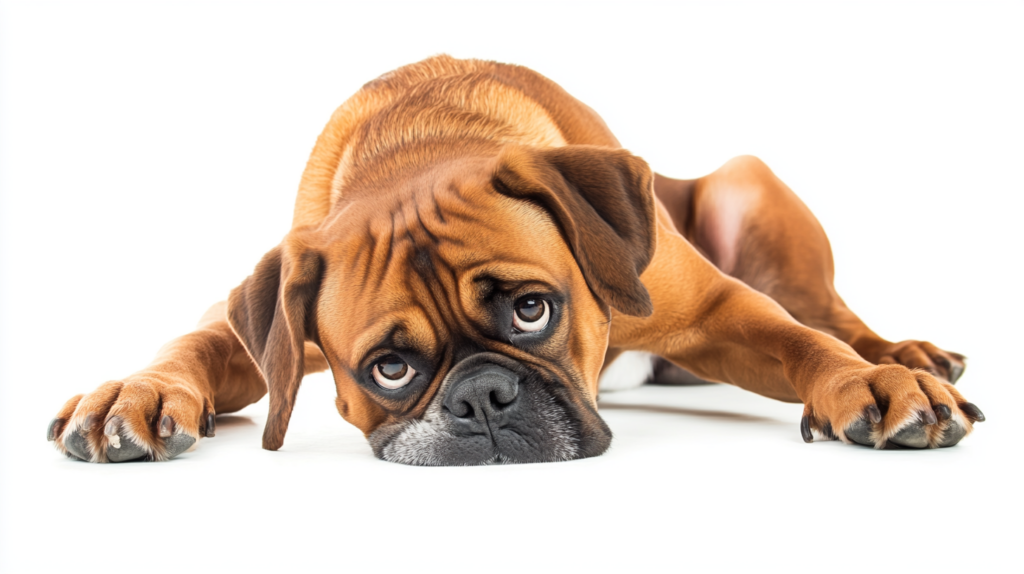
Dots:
{"x": 490, "y": 408}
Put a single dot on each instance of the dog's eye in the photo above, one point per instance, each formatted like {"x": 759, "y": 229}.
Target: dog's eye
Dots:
{"x": 531, "y": 314}
{"x": 392, "y": 372}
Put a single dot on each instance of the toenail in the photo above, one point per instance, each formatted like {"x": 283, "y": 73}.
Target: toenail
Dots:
{"x": 52, "y": 430}
{"x": 873, "y": 414}
{"x": 112, "y": 429}
{"x": 805, "y": 429}
{"x": 928, "y": 417}
{"x": 166, "y": 426}
{"x": 973, "y": 412}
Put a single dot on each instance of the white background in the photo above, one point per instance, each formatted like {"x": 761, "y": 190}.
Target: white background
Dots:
{"x": 149, "y": 155}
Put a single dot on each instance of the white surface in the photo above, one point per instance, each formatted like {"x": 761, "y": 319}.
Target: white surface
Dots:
{"x": 149, "y": 155}
{"x": 628, "y": 371}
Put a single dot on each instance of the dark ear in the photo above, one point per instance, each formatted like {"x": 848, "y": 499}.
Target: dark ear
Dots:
{"x": 271, "y": 312}
{"x": 603, "y": 200}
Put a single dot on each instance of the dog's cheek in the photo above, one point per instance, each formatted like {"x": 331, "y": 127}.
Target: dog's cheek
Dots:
{"x": 360, "y": 412}
{"x": 596, "y": 436}
{"x": 579, "y": 430}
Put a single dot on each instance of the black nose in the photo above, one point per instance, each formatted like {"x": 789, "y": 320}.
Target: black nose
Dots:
{"x": 484, "y": 396}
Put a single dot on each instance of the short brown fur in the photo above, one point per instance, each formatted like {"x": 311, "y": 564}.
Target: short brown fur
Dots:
{"x": 728, "y": 276}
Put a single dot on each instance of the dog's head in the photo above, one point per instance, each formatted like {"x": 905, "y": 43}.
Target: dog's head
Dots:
{"x": 464, "y": 308}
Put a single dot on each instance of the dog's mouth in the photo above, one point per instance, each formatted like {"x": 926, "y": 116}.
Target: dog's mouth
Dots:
{"x": 492, "y": 410}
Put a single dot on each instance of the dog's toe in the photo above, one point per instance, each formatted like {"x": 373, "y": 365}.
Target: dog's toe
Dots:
{"x": 178, "y": 444}
{"x": 952, "y": 435}
{"x": 77, "y": 445}
{"x": 913, "y": 435}
{"x": 120, "y": 446}
{"x": 137, "y": 419}
{"x": 860, "y": 432}
{"x": 127, "y": 451}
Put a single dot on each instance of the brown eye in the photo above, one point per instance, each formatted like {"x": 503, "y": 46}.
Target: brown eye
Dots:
{"x": 531, "y": 314}
{"x": 392, "y": 372}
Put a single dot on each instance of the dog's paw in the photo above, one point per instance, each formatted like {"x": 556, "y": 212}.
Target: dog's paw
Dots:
{"x": 887, "y": 406}
{"x": 134, "y": 419}
{"x": 926, "y": 356}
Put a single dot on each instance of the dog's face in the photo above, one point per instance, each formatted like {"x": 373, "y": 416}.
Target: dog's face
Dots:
{"x": 464, "y": 309}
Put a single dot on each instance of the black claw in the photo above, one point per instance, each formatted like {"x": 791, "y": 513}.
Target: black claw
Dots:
{"x": 52, "y": 430}
{"x": 805, "y": 429}
{"x": 955, "y": 372}
{"x": 873, "y": 414}
{"x": 928, "y": 417}
{"x": 166, "y": 426}
{"x": 828, "y": 432}
{"x": 973, "y": 412}
{"x": 211, "y": 424}
{"x": 956, "y": 369}
{"x": 943, "y": 412}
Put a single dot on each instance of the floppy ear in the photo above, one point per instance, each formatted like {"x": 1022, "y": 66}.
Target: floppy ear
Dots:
{"x": 603, "y": 200}
{"x": 271, "y": 312}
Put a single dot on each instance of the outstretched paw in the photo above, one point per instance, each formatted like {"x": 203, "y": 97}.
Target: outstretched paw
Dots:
{"x": 925, "y": 356}
{"x": 889, "y": 406}
{"x": 131, "y": 420}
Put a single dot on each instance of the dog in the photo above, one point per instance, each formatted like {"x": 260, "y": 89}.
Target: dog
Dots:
{"x": 471, "y": 247}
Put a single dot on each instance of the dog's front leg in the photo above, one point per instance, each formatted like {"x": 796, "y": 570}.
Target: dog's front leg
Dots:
{"x": 722, "y": 330}
{"x": 163, "y": 409}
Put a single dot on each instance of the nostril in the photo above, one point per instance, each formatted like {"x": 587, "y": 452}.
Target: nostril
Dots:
{"x": 500, "y": 400}
{"x": 462, "y": 409}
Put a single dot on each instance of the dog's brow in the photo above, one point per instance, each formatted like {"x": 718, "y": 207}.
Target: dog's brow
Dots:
{"x": 390, "y": 336}
{"x": 509, "y": 276}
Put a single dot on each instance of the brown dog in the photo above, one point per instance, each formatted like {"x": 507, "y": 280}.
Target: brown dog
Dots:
{"x": 471, "y": 246}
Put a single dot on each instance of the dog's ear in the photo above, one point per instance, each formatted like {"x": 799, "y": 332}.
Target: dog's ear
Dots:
{"x": 603, "y": 201}
{"x": 272, "y": 314}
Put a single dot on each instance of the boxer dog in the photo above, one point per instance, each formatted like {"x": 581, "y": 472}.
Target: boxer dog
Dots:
{"x": 471, "y": 246}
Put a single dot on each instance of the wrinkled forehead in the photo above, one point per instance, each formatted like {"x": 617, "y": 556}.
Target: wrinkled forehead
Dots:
{"x": 410, "y": 266}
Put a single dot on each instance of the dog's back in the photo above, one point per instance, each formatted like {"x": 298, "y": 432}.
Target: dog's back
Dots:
{"x": 441, "y": 102}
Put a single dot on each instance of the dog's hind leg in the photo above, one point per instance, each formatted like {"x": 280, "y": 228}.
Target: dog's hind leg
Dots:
{"x": 164, "y": 409}
{"x": 753, "y": 227}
